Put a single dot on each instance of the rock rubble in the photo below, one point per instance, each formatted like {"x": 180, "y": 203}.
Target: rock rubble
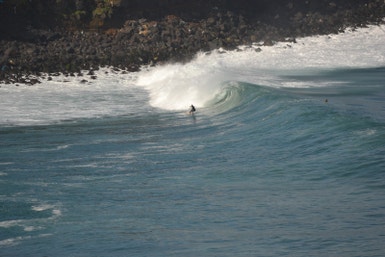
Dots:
{"x": 32, "y": 52}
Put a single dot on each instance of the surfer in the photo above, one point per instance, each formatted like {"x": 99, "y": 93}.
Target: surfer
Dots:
{"x": 192, "y": 109}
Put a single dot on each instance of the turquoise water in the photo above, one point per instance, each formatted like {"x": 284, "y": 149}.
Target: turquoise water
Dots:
{"x": 266, "y": 167}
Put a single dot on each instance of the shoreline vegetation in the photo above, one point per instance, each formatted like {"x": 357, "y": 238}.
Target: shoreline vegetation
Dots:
{"x": 72, "y": 36}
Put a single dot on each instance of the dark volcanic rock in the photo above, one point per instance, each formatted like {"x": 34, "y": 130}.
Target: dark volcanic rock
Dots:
{"x": 173, "y": 32}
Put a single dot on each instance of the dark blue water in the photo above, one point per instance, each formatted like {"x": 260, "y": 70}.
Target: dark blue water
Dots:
{"x": 258, "y": 171}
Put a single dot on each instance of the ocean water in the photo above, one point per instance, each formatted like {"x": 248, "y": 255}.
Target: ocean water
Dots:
{"x": 285, "y": 156}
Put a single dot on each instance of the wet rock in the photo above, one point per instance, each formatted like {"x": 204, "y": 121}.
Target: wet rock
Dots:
{"x": 173, "y": 37}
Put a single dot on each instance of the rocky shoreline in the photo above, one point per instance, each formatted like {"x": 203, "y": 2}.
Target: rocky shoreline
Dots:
{"x": 24, "y": 57}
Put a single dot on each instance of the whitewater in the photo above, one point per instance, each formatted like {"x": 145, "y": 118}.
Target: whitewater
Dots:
{"x": 284, "y": 156}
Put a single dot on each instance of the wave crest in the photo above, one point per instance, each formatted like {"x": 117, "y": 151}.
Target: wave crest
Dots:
{"x": 201, "y": 81}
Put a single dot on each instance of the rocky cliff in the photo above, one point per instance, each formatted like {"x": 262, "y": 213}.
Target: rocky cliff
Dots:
{"x": 69, "y": 36}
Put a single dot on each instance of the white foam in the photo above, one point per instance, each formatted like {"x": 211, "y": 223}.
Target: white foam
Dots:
{"x": 58, "y": 101}
{"x": 56, "y": 212}
{"x": 44, "y": 207}
{"x": 29, "y": 225}
{"x": 176, "y": 86}
{"x": 359, "y": 48}
{"x": 31, "y": 228}
{"x": 18, "y": 223}
{"x": 9, "y": 223}
{"x": 11, "y": 241}
{"x": 17, "y": 240}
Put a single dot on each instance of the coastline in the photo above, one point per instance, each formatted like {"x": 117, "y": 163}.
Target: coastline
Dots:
{"x": 27, "y": 54}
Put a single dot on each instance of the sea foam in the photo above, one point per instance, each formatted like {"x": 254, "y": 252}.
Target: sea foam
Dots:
{"x": 176, "y": 86}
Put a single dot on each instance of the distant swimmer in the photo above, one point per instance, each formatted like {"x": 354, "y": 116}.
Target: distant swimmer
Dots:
{"x": 192, "y": 109}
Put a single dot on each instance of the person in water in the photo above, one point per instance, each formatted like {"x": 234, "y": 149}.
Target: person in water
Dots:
{"x": 192, "y": 109}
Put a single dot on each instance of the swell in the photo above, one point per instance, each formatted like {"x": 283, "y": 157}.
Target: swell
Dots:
{"x": 284, "y": 65}
{"x": 300, "y": 131}
{"x": 242, "y": 98}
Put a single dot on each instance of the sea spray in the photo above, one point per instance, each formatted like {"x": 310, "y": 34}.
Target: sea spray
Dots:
{"x": 199, "y": 82}
{"x": 176, "y": 86}
{"x": 265, "y": 168}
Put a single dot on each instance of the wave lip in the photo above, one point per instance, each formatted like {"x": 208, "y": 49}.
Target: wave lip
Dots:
{"x": 199, "y": 82}
{"x": 176, "y": 86}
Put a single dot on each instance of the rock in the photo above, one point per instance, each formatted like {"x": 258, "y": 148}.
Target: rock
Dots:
{"x": 70, "y": 50}
{"x": 176, "y": 37}
{"x": 6, "y": 55}
{"x": 215, "y": 44}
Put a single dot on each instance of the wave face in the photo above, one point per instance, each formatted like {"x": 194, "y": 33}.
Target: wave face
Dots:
{"x": 285, "y": 156}
{"x": 285, "y": 65}
{"x": 309, "y": 63}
